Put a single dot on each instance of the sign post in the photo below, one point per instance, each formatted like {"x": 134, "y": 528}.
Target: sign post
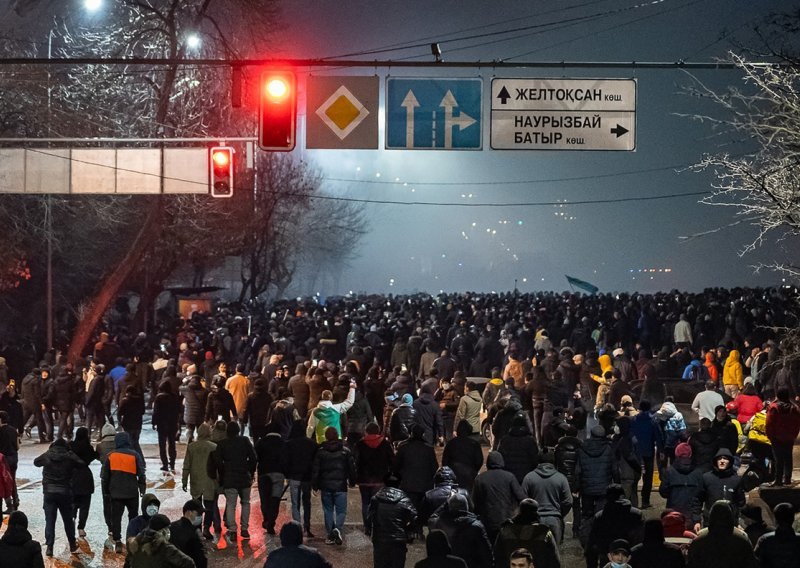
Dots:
{"x": 563, "y": 114}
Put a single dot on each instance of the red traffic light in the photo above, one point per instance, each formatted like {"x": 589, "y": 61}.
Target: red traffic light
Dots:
{"x": 277, "y": 111}
{"x": 221, "y": 171}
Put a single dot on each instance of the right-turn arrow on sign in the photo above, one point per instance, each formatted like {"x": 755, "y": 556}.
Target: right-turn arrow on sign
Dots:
{"x": 563, "y": 114}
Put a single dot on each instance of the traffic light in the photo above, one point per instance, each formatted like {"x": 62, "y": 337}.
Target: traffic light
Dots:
{"x": 220, "y": 164}
{"x": 277, "y": 109}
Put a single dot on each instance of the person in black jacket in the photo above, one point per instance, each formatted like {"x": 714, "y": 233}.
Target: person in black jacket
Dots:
{"x": 130, "y": 412}
{"x": 271, "y": 475}
{"x": 682, "y": 485}
{"x": 166, "y": 414}
{"x": 566, "y": 462}
{"x": 465, "y": 532}
{"x": 58, "y": 464}
{"x": 31, "y": 391}
{"x": 17, "y": 548}
{"x": 705, "y": 444}
{"x": 496, "y": 494}
{"x": 390, "y": 518}
{"x": 293, "y": 552}
{"x": 256, "y": 412}
{"x": 653, "y": 552}
{"x": 519, "y": 449}
{"x": 463, "y": 455}
{"x": 525, "y": 530}
{"x": 595, "y": 471}
{"x": 300, "y": 451}
{"x": 185, "y": 536}
{"x": 333, "y": 470}
{"x": 402, "y": 420}
{"x": 82, "y": 478}
{"x": 373, "y": 455}
{"x": 415, "y": 464}
{"x": 722, "y": 483}
{"x": 63, "y": 397}
{"x": 778, "y": 548}
{"x": 617, "y": 520}
{"x": 428, "y": 415}
{"x": 94, "y": 398}
{"x": 219, "y": 404}
{"x": 234, "y": 462}
{"x": 438, "y": 550}
{"x": 445, "y": 484}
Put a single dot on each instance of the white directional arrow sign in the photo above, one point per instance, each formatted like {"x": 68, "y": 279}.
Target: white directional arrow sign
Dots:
{"x": 462, "y": 121}
{"x": 410, "y": 102}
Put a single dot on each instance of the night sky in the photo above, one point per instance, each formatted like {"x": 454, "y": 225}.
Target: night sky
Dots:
{"x": 634, "y": 246}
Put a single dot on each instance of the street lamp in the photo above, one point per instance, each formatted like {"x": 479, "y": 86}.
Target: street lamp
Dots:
{"x": 92, "y": 5}
{"x": 193, "y": 41}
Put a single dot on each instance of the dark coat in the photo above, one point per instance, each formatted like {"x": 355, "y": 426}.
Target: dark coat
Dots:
{"x": 682, "y": 487}
{"x": 566, "y": 457}
{"x": 467, "y": 537}
{"x": 649, "y": 437}
{"x": 373, "y": 456}
{"x": 186, "y": 538}
{"x": 415, "y": 464}
{"x": 235, "y": 461}
{"x": 166, "y": 412}
{"x": 705, "y": 444}
{"x": 520, "y": 451}
{"x": 656, "y": 555}
{"x": 257, "y": 409}
{"x": 401, "y": 423}
{"x": 496, "y": 493}
{"x": 595, "y": 468}
{"x": 775, "y": 549}
{"x": 390, "y": 516}
{"x": 550, "y": 489}
{"x": 723, "y": 484}
{"x": 444, "y": 485}
{"x": 131, "y": 411}
{"x": 297, "y": 557}
{"x": 59, "y": 464}
{"x": 220, "y": 403}
{"x": 271, "y": 452}
{"x": 428, "y": 414}
{"x": 533, "y": 536}
{"x": 617, "y": 520}
{"x": 333, "y": 467}
{"x": 194, "y": 401}
{"x": 719, "y": 545}
{"x": 300, "y": 451}
{"x": 19, "y": 550}
{"x": 464, "y": 456}
{"x": 63, "y": 393}
{"x": 82, "y": 478}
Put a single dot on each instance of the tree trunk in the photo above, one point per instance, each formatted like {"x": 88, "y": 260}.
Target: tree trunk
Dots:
{"x": 113, "y": 282}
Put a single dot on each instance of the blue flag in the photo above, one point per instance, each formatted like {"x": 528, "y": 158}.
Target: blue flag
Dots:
{"x": 582, "y": 285}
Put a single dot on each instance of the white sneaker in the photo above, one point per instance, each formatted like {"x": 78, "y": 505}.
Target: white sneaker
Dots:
{"x": 109, "y": 544}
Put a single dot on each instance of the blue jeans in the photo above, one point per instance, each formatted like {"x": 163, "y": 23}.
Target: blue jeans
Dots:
{"x": 334, "y": 500}
{"x": 300, "y": 492}
{"x": 55, "y": 503}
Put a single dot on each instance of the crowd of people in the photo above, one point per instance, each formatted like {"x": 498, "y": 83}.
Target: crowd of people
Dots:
{"x": 400, "y": 397}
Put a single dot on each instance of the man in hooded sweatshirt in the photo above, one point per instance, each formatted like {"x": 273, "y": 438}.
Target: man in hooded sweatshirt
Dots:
{"x": 550, "y": 489}
{"x": 519, "y": 449}
{"x": 463, "y": 455}
{"x": 150, "y": 507}
{"x": 721, "y": 544}
{"x": 293, "y": 552}
{"x": 525, "y": 530}
{"x": 428, "y": 414}
{"x": 373, "y": 455}
{"x": 496, "y": 494}
{"x": 465, "y": 532}
{"x": 439, "y": 553}
{"x": 123, "y": 479}
{"x": 654, "y": 552}
{"x": 617, "y": 520}
{"x": 333, "y": 470}
{"x": 17, "y": 548}
{"x": 152, "y": 548}
{"x": 58, "y": 464}
{"x": 722, "y": 483}
{"x": 783, "y": 425}
{"x": 328, "y": 415}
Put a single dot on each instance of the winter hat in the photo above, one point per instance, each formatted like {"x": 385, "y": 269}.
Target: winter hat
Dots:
{"x": 749, "y": 381}
{"x": 108, "y": 430}
{"x": 598, "y": 432}
{"x": 620, "y": 545}
{"x": 683, "y": 450}
{"x": 208, "y": 356}
{"x": 18, "y": 519}
{"x": 407, "y": 399}
{"x": 618, "y": 351}
{"x": 457, "y": 502}
{"x": 158, "y": 522}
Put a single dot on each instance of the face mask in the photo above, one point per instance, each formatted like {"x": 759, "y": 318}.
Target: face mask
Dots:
{"x": 618, "y": 564}
{"x": 197, "y": 521}
{"x": 151, "y": 510}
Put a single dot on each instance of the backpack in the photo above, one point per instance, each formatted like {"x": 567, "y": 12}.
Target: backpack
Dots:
{"x": 699, "y": 373}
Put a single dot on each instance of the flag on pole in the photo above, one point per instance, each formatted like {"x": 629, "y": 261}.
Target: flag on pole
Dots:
{"x": 582, "y": 285}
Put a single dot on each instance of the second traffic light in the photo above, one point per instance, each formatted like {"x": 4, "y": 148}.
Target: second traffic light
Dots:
{"x": 220, "y": 164}
{"x": 277, "y": 111}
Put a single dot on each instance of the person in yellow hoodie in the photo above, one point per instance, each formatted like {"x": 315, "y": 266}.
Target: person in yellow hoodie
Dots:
{"x": 733, "y": 374}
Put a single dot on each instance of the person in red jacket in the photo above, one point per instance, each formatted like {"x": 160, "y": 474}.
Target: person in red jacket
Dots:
{"x": 746, "y": 404}
{"x": 783, "y": 426}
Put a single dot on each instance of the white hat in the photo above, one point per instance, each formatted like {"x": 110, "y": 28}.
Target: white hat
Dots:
{"x": 618, "y": 351}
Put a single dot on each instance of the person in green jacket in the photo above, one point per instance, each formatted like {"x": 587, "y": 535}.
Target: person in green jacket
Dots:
{"x": 201, "y": 486}
{"x": 469, "y": 408}
{"x": 328, "y": 415}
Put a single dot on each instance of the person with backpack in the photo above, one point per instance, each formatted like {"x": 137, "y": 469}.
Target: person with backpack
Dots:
{"x": 696, "y": 371}
{"x": 525, "y": 530}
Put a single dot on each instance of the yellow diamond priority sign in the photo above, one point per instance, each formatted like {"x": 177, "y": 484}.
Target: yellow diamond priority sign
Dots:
{"x": 342, "y": 113}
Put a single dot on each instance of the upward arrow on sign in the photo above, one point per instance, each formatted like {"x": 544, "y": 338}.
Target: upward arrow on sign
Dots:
{"x": 463, "y": 120}
{"x": 503, "y": 95}
{"x": 410, "y": 102}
